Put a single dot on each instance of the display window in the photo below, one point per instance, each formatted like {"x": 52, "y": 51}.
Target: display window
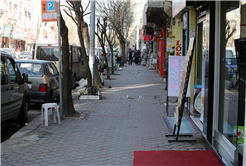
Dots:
{"x": 231, "y": 111}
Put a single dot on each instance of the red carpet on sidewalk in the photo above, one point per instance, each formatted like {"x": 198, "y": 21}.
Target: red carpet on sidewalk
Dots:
{"x": 173, "y": 158}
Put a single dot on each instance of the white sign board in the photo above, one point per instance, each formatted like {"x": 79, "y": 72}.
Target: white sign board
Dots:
{"x": 175, "y": 73}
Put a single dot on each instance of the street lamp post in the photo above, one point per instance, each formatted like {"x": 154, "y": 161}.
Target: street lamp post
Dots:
{"x": 92, "y": 41}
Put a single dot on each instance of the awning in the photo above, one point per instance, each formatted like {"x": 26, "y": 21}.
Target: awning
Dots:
{"x": 148, "y": 30}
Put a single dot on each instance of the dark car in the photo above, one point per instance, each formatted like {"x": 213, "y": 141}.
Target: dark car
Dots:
{"x": 43, "y": 79}
{"x": 15, "y": 97}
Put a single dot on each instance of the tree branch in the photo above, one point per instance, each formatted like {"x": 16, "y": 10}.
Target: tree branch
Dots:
{"x": 71, "y": 17}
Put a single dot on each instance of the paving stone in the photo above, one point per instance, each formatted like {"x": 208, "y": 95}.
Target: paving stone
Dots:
{"x": 114, "y": 128}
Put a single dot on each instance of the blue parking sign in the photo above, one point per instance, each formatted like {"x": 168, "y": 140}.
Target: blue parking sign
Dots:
{"x": 50, "y": 6}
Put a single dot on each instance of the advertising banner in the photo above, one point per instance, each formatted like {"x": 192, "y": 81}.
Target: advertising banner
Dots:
{"x": 175, "y": 73}
{"x": 6, "y": 31}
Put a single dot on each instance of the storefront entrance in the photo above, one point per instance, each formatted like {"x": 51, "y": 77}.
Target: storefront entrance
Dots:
{"x": 197, "y": 113}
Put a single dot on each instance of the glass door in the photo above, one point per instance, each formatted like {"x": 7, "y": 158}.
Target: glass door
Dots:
{"x": 199, "y": 84}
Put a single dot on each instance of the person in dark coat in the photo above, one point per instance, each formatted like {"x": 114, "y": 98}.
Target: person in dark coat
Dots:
{"x": 130, "y": 55}
{"x": 137, "y": 54}
{"x": 119, "y": 60}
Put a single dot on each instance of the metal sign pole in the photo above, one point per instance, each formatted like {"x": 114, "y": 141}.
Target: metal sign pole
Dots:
{"x": 60, "y": 57}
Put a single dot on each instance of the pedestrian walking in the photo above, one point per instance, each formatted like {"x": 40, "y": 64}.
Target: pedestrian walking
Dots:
{"x": 130, "y": 55}
{"x": 137, "y": 54}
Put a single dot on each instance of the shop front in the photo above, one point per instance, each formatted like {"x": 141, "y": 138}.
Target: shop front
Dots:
{"x": 18, "y": 39}
{"x": 219, "y": 78}
{"x": 5, "y": 36}
{"x": 229, "y": 111}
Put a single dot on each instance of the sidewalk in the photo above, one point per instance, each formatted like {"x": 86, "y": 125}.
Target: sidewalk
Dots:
{"x": 129, "y": 118}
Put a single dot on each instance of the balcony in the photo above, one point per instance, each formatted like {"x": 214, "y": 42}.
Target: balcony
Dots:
{"x": 155, "y": 14}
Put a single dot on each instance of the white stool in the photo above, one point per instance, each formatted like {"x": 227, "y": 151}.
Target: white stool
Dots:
{"x": 44, "y": 116}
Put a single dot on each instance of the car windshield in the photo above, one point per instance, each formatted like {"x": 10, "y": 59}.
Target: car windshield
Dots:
{"x": 231, "y": 61}
{"x": 32, "y": 69}
{"x": 229, "y": 53}
{"x": 50, "y": 53}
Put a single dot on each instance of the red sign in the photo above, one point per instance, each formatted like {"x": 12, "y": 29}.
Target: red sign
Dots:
{"x": 33, "y": 36}
{"x": 147, "y": 38}
{"x": 178, "y": 49}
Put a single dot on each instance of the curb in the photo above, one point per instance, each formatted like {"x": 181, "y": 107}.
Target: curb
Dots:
{"x": 15, "y": 138}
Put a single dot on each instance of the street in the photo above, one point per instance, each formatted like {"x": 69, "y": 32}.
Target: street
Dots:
{"x": 11, "y": 126}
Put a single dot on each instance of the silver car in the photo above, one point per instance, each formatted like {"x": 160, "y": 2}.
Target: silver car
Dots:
{"x": 43, "y": 79}
{"x": 15, "y": 97}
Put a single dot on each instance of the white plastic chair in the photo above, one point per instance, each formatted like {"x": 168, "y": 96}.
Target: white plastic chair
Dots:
{"x": 45, "y": 110}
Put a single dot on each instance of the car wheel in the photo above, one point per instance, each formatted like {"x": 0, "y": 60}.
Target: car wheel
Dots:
{"x": 24, "y": 112}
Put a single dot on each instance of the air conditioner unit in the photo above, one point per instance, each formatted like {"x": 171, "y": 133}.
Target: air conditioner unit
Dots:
{"x": 169, "y": 29}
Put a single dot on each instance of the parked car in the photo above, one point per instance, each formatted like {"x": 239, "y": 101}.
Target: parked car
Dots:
{"x": 15, "y": 97}
{"x": 230, "y": 52}
{"x": 43, "y": 79}
{"x": 231, "y": 67}
{"x": 11, "y": 51}
{"x": 50, "y": 52}
{"x": 25, "y": 55}
{"x": 101, "y": 57}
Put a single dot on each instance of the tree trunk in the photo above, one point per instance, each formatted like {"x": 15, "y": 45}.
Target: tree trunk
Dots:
{"x": 86, "y": 36}
{"x": 106, "y": 62}
{"x": 88, "y": 72}
{"x": 67, "y": 101}
{"x": 112, "y": 59}
{"x": 122, "y": 48}
{"x": 98, "y": 82}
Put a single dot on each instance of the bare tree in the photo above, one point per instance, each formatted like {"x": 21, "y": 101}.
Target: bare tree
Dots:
{"x": 110, "y": 36}
{"x": 79, "y": 11}
{"x": 117, "y": 11}
{"x": 86, "y": 38}
{"x": 86, "y": 35}
{"x": 228, "y": 31}
{"x": 67, "y": 101}
{"x": 101, "y": 35}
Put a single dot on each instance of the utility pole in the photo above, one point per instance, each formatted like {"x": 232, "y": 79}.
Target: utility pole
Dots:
{"x": 126, "y": 31}
{"x": 60, "y": 57}
{"x": 92, "y": 41}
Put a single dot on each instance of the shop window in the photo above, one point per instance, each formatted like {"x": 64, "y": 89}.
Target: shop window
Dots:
{"x": 230, "y": 123}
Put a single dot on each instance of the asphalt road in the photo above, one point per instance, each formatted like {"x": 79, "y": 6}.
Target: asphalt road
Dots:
{"x": 11, "y": 126}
